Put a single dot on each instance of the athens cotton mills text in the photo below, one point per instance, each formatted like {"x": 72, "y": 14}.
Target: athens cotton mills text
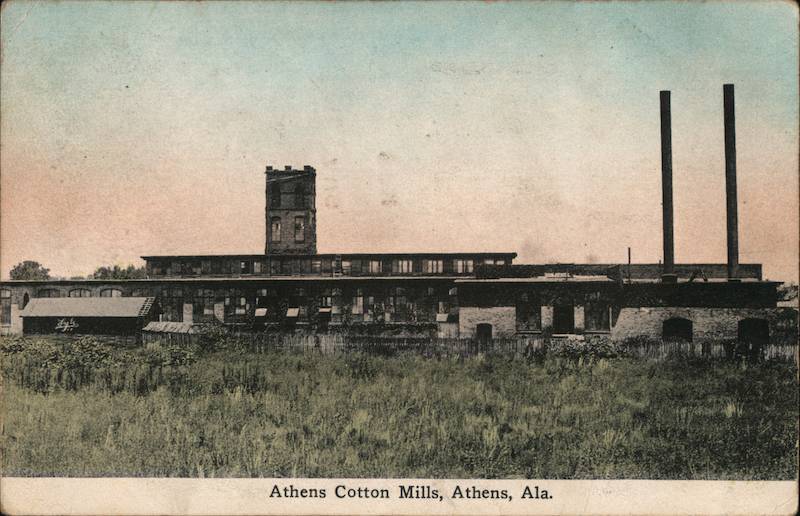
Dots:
{"x": 410, "y": 492}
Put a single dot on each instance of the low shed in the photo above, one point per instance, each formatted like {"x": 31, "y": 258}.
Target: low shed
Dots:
{"x": 171, "y": 332}
{"x": 87, "y": 315}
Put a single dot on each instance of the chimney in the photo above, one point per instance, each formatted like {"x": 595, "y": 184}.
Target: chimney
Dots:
{"x": 732, "y": 217}
{"x": 668, "y": 273}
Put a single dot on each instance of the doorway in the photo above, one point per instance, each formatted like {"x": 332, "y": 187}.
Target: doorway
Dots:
{"x": 677, "y": 329}
{"x": 483, "y": 332}
{"x": 753, "y": 336}
{"x": 564, "y": 319}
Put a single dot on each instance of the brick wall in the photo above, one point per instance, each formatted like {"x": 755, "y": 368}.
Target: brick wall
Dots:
{"x": 708, "y": 323}
{"x": 502, "y": 318}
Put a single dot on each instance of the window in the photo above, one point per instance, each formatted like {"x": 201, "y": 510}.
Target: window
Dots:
{"x": 258, "y": 266}
{"x": 300, "y": 229}
{"x": 140, "y": 292}
{"x": 275, "y": 229}
{"x": 235, "y": 305}
{"x": 192, "y": 268}
{"x": 171, "y": 304}
{"x": 275, "y": 196}
{"x": 204, "y": 304}
{"x": 375, "y": 267}
{"x": 432, "y": 266}
{"x": 563, "y": 319}
{"x": 398, "y": 304}
{"x": 111, "y": 292}
{"x": 401, "y": 266}
{"x": 596, "y": 314}
{"x": 347, "y": 267}
{"x": 265, "y": 297}
{"x": 245, "y": 267}
{"x": 316, "y": 266}
{"x": 325, "y": 300}
{"x": 305, "y": 265}
{"x": 80, "y": 292}
{"x": 358, "y": 302}
{"x": 300, "y": 198}
{"x": 5, "y": 307}
{"x": 275, "y": 266}
{"x": 48, "y": 292}
{"x": 529, "y": 313}
{"x": 462, "y": 266}
{"x": 374, "y": 309}
{"x": 217, "y": 267}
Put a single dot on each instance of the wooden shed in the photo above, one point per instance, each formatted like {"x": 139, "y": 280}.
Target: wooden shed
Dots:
{"x": 88, "y": 315}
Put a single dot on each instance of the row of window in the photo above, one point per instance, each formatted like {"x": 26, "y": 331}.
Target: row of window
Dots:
{"x": 208, "y": 304}
{"x": 85, "y": 292}
{"x": 276, "y": 233}
{"x": 321, "y": 266}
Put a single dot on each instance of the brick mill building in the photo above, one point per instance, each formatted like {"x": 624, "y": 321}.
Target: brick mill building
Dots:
{"x": 293, "y": 288}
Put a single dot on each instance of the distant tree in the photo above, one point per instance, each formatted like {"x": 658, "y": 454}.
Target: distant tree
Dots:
{"x": 29, "y": 270}
{"x": 117, "y": 272}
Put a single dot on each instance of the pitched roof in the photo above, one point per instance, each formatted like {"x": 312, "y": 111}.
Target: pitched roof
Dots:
{"x": 88, "y": 307}
{"x": 171, "y": 327}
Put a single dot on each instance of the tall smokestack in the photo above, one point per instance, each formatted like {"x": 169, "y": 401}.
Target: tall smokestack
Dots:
{"x": 730, "y": 183}
{"x": 668, "y": 274}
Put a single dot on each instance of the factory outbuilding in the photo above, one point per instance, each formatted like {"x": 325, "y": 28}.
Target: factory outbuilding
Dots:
{"x": 88, "y": 315}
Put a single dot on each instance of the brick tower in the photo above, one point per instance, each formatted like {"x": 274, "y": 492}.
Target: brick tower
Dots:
{"x": 291, "y": 211}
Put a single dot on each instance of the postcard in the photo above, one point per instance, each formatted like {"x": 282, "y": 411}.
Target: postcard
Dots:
{"x": 399, "y": 257}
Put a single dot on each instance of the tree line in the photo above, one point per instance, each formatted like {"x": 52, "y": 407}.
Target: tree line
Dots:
{"x": 33, "y": 270}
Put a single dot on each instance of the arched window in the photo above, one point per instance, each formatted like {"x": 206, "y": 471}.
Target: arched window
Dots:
{"x": 80, "y": 292}
{"x": 275, "y": 229}
{"x": 25, "y": 300}
{"x": 111, "y": 292}
{"x": 300, "y": 229}
{"x": 48, "y": 292}
{"x": 677, "y": 329}
{"x": 5, "y": 306}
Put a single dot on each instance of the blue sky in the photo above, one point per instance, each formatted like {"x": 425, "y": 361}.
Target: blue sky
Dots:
{"x": 133, "y": 128}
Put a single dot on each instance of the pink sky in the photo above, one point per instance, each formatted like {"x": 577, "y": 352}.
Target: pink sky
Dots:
{"x": 138, "y": 128}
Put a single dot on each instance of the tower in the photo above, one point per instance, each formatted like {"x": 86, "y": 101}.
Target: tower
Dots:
{"x": 291, "y": 211}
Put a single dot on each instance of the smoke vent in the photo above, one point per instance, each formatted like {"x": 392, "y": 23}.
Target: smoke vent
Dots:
{"x": 731, "y": 208}
{"x": 668, "y": 272}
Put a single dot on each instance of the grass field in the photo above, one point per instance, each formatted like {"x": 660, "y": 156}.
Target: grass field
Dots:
{"x": 88, "y": 410}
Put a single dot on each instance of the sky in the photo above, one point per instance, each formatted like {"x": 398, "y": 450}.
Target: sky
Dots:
{"x": 139, "y": 128}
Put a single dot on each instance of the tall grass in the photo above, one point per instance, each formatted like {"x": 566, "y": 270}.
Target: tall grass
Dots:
{"x": 166, "y": 413}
